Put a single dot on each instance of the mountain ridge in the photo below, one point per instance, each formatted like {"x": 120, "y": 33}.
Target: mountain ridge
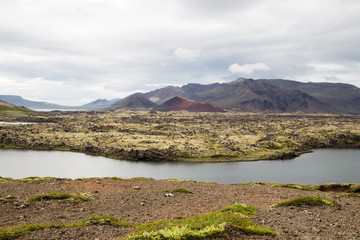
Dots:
{"x": 242, "y": 95}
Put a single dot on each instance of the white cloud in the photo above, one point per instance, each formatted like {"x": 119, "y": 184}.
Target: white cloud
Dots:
{"x": 328, "y": 67}
{"x": 186, "y": 55}
{"x": 248, "y": 68}
{"x": 142, "y": 44}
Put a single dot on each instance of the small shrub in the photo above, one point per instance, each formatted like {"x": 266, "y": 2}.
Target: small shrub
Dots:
{"x": 311, "y": 200}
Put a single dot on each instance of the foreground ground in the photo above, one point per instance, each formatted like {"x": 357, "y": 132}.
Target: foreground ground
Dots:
{"x": 140, "y": 201}
{"x": 157, "y": 136}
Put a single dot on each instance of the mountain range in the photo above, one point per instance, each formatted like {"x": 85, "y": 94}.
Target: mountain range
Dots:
{"x": 19, "y": 101}
{"x": 242, "y": 95}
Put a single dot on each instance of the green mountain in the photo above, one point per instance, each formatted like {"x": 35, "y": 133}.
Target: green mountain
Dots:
{"x": 19, "y": 101}
{"x": 10, "y": 110}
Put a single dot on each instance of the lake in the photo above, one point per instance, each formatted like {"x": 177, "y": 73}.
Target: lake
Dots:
{"x": 318, "y": 167}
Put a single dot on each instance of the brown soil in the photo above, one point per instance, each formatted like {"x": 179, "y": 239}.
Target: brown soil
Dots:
{"x": 143, "y": 200}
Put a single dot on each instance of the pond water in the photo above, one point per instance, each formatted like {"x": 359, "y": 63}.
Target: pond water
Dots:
{"x": 320, "y": 166}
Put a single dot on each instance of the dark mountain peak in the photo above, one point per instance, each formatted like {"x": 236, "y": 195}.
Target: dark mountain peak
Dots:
{"x": 182, "y": 104}
{"x": 194, "y": 88}
{"x": 134, "y": 102}
{"x": 161, "y": 95}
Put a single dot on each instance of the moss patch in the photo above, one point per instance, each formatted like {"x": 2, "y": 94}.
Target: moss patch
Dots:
{"x": 180, "y": 190}
{"x": 311, "y": 200}
{"x": 59, "y": 196}
{"x": 15, "y": 232}
{"x": 209, "y": 225}
{"x": 8, "y": 233}
{"x": 9, "y": 198}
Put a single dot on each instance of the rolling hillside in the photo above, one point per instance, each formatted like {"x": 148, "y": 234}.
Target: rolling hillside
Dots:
{"x": 10, "y": 110}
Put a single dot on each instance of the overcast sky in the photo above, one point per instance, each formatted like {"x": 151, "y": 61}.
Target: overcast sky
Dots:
{"x": 75, "y": 51}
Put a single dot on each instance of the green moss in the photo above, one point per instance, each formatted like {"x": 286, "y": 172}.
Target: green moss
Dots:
{"x": 104, "y": 220}
{"x": 209, "y": 225}
{"x": 59, "y": 196}
{"x": 181, "y": 190}
{"x": 311, "y": 200}
{"x": 9, "y": 198}
{"x": 5, "y": 180}
{"x": 355, "y": 188}
{"x": 297, "y": 186}
{"x": 240, "y": 208}
{"x": 9, "y": 110}
{"x": 15, "y": 232}
{"x": 36, "y": 179}
{"x": 8, "y": 233}
{"x": 350, "y": 195}
{"x": 179, "y": 180}
{"x": 144, "y": 178}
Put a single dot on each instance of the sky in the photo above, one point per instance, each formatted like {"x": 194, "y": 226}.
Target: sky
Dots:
{"x": 72, "y": 52}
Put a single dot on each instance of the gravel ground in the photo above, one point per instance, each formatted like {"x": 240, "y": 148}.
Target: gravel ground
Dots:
{"x": 143, "y": 200}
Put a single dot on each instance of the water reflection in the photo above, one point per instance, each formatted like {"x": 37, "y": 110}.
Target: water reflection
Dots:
{"x": 321, "y": 166}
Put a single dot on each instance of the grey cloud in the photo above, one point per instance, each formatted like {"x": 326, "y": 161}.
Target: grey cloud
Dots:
{"x": 111, "y": 48}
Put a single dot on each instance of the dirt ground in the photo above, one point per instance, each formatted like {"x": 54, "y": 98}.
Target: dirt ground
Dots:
{"x": 144, "y": 200}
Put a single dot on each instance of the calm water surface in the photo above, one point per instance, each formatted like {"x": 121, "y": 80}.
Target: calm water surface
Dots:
{"x": 320, "y": 166}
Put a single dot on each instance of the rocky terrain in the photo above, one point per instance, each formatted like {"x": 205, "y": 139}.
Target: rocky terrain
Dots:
{"x": 139, "y": 201}
{"x": 183, "y": 136}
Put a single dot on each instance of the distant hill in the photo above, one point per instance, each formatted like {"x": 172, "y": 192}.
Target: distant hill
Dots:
{"x": 10, "y": 110}
{"x": 161, "y": 95}
{"x": 99, "y": 104}
{"x": 345, "y": 98}
{"x": 135, "y": 102}
{"x": 19, "y": 101}
{"x": 180, "y": 104}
